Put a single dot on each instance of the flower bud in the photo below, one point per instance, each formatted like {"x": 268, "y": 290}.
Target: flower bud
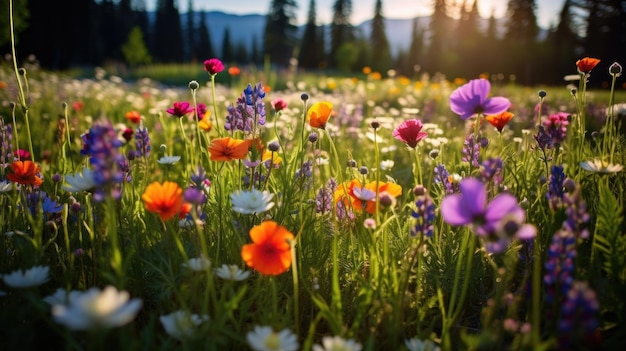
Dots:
{"x": 542, "y": 93}
{"x": 352, "y": 163}
{"x": 273, "y": 146}
{"x": 313, "y": 138}
{"x": 363, "y": 170}
{"x": 615, "y": 69}
{"x": 304, "y": 96}
{"x": 193, "y": 85}
{"x": 375, "y": 124}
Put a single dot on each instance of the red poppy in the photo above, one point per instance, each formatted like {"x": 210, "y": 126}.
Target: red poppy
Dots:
{"x": 234, "y": 70}
{"x": 24, "y": 172}
{"x": 270, "y": 250}
{"x": 585, "y": 65}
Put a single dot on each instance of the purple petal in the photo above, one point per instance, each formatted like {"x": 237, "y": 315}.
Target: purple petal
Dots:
{"x": 496, "y": 105}
{"x": 502, "y": 205}
{"x": 454, "y": 212}
{"x": 474, "y": 195}
{"x": 467, "y": 98}
{"x": 527, "y": 231}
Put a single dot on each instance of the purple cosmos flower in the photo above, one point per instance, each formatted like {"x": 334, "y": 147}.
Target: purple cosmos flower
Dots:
{"x": 470, "y": 207}
{"x": 471, "y": 98}
{"x": 180, "y": 109}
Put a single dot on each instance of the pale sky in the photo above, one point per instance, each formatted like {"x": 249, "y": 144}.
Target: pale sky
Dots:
{"x": 547, "y": 10}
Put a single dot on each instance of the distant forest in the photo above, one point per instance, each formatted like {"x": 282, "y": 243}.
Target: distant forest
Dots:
{"x": 455, "y": 43}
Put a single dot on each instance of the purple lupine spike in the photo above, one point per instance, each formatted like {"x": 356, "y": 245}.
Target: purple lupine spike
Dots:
{"x": 424, "y": 213}
{"x": 101, "y": 144}
{"x": 142, "y": 142}
{"x": 556, "y": 191}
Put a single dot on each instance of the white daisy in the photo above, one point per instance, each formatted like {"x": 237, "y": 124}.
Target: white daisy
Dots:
{"x": 182, "y": 324}
{"x": 386, "y": 165}
{"x": 97, "y": 309}
{"x": 80, "y": 181}
{"x": 27, "y": 278}
{"x": 231, "y": 272}
{"x": 263, "y": 338}
{"x": 337, "y": 343}
{"x": 252, "y": 201}
{"x": 198, "y": 264}
{"x": 168, "y": 160}
{"x": 416, "y": 344}
{"x": 599, "y": 166}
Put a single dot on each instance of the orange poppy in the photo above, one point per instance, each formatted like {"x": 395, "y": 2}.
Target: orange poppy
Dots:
{"x": 585, "y": 65}
{"x": 499, "y": 120}
{"x": 234, "y": 70}
{"x": 165, "y": 199}
{"x": 319, "y": 113}
{"x": 358, "y": 196}
{"x": 270, "y": 250}
{"x": 185, "y": 208}
{"x": 24, "y": 172}
{"x": 226, "y": 149}
{"x": 133, "y": 116}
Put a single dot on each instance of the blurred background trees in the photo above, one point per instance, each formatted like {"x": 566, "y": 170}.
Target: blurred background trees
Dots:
{"x": 454, "y": 40}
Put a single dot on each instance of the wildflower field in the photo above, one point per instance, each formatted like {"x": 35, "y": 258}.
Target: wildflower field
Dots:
{"x": 362, "y": 213}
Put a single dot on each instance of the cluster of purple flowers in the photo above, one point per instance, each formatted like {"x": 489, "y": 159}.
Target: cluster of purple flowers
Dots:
{"x": 442, "y": 177}
{"x": 576, "y": 213}
{"x": 491, "y": 170}
{"x": 249, "y": 110}
{"x": 424, "y": 213}
{"x": 471, "y": 148}
{"x": 142, "y": 142}
{"x": 579, "y": 312}
{"x": 101, "y": 144}
{"x": 559, "y": 265}
{"x": 553, "y": 131}
{"x": 556, "y": 189}
{"x": 324, "y": 199}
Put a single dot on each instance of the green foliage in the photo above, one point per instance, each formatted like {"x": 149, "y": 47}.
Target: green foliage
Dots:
{"x": 20, "y": 20}
{"x": 135, "y": 50}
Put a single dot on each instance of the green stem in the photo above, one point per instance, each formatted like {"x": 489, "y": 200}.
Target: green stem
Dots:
{"x": 217, "y": 120}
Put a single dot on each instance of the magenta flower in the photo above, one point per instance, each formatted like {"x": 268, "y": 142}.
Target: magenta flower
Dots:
{"x": 213, "y": 66}
{"x": 201, "y": 110}
{"x": 410, "y": 132}
{"x": 279, "y": 104}
{"x": 471, "y": 98}
{"x": 180, "y": 109}
{"x": 496, "y": 221}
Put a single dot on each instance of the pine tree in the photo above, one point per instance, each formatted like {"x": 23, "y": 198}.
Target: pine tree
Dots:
{"x": 470, "y": 42}
{"x": 521, "y": 35}
{"x": 564, "y": 44}
{"x": 439, "y": 28}
{"x": 341, "y": 31}
{"x": 309, "y": 55}
{"x": 134, "y": 49}
{"x": 204, "y": 46}
{"x": 228, "y": 54}
{"x": 280, "y": 31}
{"x": 416, "y": 50}
{"x": 381, "y": 55}
{"x": 191, "y": 32}
{"x": 168, "y": 36}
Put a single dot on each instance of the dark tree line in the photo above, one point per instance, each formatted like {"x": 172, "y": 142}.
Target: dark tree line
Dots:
{"x": 455, "y": 41}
